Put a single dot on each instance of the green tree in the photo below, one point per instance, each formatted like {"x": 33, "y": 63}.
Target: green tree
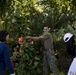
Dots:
{"x": 27, "y": 17}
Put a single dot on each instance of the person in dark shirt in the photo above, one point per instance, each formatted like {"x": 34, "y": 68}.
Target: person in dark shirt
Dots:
{"x": 49, "y": 59}
{"x": 5, "y": 54}
{"x": 69, "y": 40}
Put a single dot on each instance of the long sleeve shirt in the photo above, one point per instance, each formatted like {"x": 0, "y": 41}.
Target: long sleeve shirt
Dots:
{"x": 5, "y": 58}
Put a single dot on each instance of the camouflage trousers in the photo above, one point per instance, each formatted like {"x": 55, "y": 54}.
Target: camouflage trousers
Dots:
{"x": 49, "y": 60}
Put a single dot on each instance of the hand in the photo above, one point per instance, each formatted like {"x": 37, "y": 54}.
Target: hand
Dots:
{"x": 13, "y": 74}
{"x": 27, "y": 37}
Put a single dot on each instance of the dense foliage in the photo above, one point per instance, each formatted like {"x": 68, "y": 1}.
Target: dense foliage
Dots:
{"x": 27, "y": 17}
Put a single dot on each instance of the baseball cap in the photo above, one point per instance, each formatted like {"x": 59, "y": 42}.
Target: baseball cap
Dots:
{"x": 67, "y": 37}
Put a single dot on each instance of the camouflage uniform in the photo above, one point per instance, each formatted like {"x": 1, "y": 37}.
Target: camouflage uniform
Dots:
{"x": 49, "y": 55}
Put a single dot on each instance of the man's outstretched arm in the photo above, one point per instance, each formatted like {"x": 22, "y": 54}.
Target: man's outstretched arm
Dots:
{"x": 34, "y": 38}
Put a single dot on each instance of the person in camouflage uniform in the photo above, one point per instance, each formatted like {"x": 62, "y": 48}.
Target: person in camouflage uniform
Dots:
{"x": 49, "y": 58}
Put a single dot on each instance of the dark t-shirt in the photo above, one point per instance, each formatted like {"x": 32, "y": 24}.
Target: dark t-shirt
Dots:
{"x": 47, "y": 40}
